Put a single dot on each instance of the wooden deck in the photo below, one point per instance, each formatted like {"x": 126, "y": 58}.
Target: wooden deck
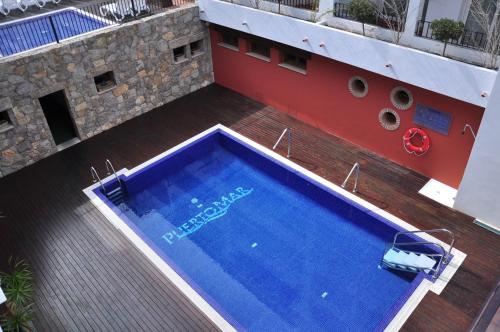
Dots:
{"x": 90, "y": 277}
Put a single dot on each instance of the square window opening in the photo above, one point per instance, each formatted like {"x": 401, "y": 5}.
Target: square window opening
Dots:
{"x": 180, "y": 54}
{"x": 260, "y": 48}
{"x": 105, "y": 81}
{"x": 294, "y": 60}
{"x": 229, "y": 39}
{"x": 5, "y": 121}
{"x": 196, "y": 47}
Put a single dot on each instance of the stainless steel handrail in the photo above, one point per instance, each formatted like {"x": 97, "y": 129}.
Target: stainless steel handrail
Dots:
{"x": 289, "y": 131}
{"x": 96, "y": 178}
{"x": 110, "y": 165}
{"x": 428, "y": 231}
{"x": 356, "y": 168}
{"x": 471, "y": 130}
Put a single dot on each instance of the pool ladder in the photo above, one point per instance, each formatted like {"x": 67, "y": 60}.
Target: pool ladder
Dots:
{"x": 404, "y": 256}
{"x": 354, "y": 170}
{"x": 115, "y": 195}
{"x": 289, "y": 131}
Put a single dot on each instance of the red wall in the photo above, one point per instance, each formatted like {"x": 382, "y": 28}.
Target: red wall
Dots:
{"x": 321, "y": 98}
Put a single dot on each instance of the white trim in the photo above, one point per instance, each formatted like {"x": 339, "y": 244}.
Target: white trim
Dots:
{"x": 204, "y": 306}
{"x": 258, "y": 56}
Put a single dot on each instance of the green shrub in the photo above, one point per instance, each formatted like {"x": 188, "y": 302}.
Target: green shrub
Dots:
{"x": 363, "y": 11}
{"x": 18, "y": 288}
{"x": 445, "y": 29}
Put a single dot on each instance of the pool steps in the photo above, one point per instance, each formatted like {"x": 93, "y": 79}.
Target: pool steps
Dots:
{"x": 415, "y": 255}
{"x": 409, "y": 260}
{"x": 115, "y": 195}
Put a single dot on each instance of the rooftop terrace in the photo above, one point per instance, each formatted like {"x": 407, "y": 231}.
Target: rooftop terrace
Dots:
{"x": 90, "y": 277}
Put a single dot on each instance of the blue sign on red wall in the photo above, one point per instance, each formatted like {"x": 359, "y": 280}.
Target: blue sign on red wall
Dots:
{"x": 432, "y": 119}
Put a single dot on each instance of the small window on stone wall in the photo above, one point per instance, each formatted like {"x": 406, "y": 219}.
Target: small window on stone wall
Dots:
{"x": 5, "y": 121}
{"x": 401, "y": 98}
{"x": 104, "y": 82}
{"x": 389, "y": 119}
{"x": 358, "y": 86}
{"x": 180, "y": 53}
{"x": 196, "y": 47}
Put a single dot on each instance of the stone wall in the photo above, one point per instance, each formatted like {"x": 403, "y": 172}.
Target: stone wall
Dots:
{"x": 139, "y": 53}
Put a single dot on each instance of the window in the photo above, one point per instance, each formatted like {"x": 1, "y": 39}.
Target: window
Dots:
{"x": 180, "y": 54}
{"x": 196, "y": 47}
{"x": 229, "y": 40}
{"x": 260, "y": 49}
{"x": 295, "y": 60}
{"x": 104, "y": 82}
{"x": 5, "y": 122}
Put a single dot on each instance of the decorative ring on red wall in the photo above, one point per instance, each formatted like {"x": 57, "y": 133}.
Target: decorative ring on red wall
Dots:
{"x": 358, "y": 86}
{"x": 401, "y": 98}
{"x": 413, "y": 148}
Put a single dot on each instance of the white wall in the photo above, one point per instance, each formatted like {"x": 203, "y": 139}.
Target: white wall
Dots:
{"x": 479, "y": 192}
{"x": 432, "y": 72}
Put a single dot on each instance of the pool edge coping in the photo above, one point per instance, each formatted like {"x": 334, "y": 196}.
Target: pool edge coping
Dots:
{"x": 395, "y": 323}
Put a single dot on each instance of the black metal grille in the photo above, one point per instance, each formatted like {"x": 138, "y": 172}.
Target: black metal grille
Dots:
{"x": 303, "y": 4}
{"x": 342, "y": 10}
{"x": 470, "y": 39}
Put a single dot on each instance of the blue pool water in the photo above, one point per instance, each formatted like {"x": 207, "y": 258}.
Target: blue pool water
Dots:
{"x": 24, "y": 35}
{"x": 270, "y": 250}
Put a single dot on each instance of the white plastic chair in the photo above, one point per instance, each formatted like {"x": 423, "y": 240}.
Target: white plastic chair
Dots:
{"x": 118, "y": 9}
{"x": 141, "y": 6}
{"x": 4, "y": 10}
{"x": 37, "y": 3}
{"x": 9, "y": 5}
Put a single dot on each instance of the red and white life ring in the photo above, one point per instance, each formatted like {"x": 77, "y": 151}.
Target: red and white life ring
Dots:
{"x": 410, "y": 147}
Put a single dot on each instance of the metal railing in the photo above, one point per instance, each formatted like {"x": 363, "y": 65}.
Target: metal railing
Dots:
{"x": 111, "y": 170}
{"x": 355, "y": 170}
{"x": 289, "y": 131}
{"x": 384, "y": 21}
{"x": 36, "y": 31}
{"x": 470, "y": 39}
{"x": 96, "y": 178}
{"x": 442, "y": 256}
{"x": 468, "y": 126}
{"x": 450, "y": 234}
{"x": 302, "y": 4}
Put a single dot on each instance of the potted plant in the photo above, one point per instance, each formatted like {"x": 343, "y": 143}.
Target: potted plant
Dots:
{"x": 445, "y": 29}
{"x": 17, "y": 286}
{"x": 363, "y": 11}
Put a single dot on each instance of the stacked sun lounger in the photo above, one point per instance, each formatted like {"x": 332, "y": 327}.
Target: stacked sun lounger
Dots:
{"x": 7, "y": 5}
{"x": 122, "y": 8}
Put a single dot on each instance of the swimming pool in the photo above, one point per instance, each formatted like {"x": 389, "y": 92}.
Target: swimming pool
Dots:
{"x": 36, "y": 31}
{"x": 259, "y": 243}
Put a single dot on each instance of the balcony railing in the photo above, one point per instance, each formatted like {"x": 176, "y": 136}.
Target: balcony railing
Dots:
{"x": 470, "y": 39}
{"x": 302, "y": 4}
{"x": 384, "y": 21}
